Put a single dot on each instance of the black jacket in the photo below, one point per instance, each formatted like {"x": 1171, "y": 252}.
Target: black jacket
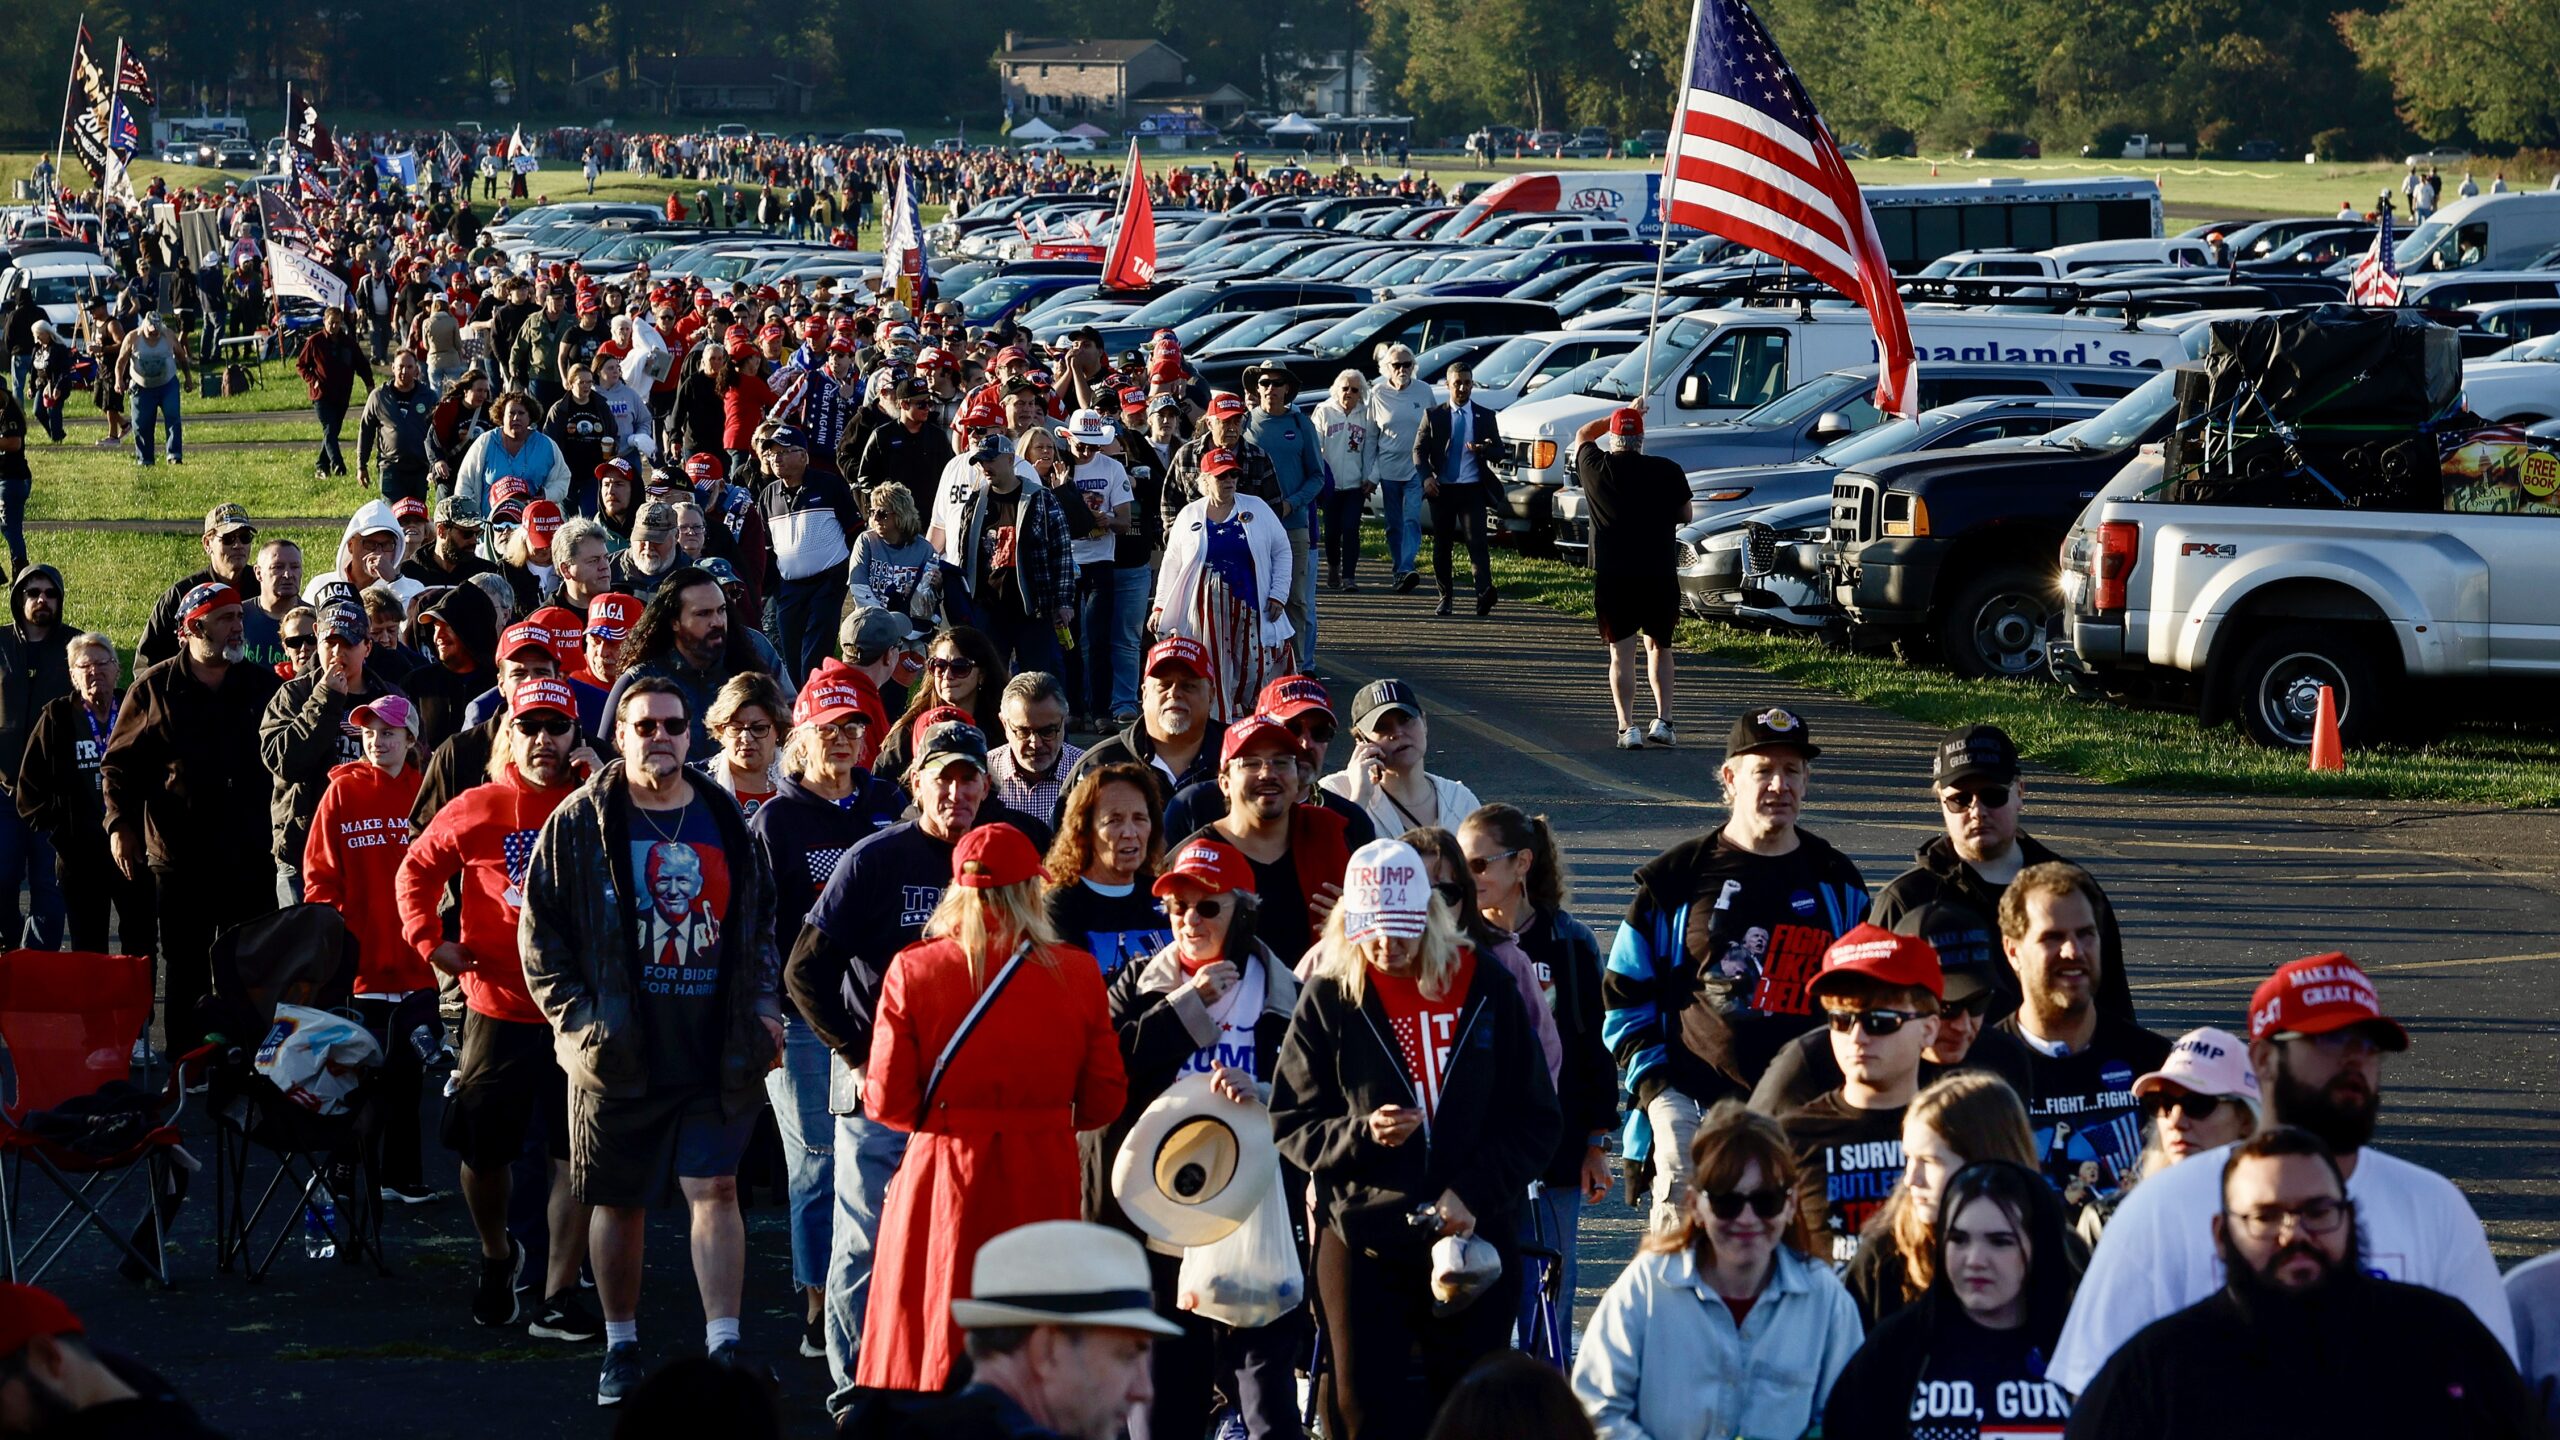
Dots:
{"x": 1431, "y": 447}
{"x": 1494, "y": 1131}
{"x": 2369, "y": 1357}
{"x": 441, "y": 692}
{"x": 1937, "y": 875}
{"x": 57, "y": 781}
{"x": 304, "y": 735}
{"x": 33, "y": 673}
{"x": 1568, "y": 958}
{"x": 182, "y": 768}
{"x": 1135, "y": 744}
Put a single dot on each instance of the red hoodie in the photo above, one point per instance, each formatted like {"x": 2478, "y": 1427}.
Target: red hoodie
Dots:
{"x": 359, "y": 836}
{"x": 486, "y": 836}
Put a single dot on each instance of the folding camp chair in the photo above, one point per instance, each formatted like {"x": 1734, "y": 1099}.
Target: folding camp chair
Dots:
{"x": 304, "y": 956}
{"x": 68, "y": 1106}
{"x": 1545, "y": 1329}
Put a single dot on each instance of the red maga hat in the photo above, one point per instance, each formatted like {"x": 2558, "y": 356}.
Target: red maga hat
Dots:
{"x": 1212, "y": 865}
{"x": 1873, "y": 953}
{"x": 993, "y": 856}
{"x": 2319, "y": 995}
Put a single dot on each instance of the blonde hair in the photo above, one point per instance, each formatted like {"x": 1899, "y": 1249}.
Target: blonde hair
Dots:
{"x": 988, "y": 923}
{"x": 1437, "y": 964}
{"x": 900, "y": 502}
{"x": 1980, "y": 1118}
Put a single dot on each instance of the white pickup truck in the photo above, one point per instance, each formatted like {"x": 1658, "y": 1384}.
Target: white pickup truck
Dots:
{"x": 2247, "y": 611}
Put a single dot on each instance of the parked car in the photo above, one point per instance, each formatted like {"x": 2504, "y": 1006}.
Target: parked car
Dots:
{"x": 1420, "y": 321}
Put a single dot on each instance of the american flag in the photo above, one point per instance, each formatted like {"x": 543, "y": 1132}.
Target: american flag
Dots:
{"x": 1751, "y": 160}
{"x": 519, "y": 851}
{"x": 135, "y": 81}
{"x": 2377, "y": 276}
{"x": 793, "y": 400}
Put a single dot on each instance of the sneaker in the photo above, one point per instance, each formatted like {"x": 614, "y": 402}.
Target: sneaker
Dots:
{"x": 622, "y": 1373}
{"x": 813, "y": 1336}
{"x": 1484, "y": 604}
{"x": 1349, "y": 586}
{"x": 1408, "y": 582}
{"x": 567, "y": 1316}
{"x": 494, "y": 1303}
{"x": 418, "y": 1194}
{"x": 1660, "y": 733}
{"x": 735, "y": 1356}
{"x": 1447, "y": 606}
{"x": 1631, "y": 738}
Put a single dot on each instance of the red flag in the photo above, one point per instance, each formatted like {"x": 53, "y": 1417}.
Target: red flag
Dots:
{"x": 1750, "y": 160}
{"x": 1131, "y": 263}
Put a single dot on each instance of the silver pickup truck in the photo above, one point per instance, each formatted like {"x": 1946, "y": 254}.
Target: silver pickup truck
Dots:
{"x": 2247, "y": 611}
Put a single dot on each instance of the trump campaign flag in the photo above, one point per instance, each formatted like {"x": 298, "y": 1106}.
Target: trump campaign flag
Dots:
{"x": 1751, "y": 160}
{"x": 295, "y": 273}
{"x": 902, "y": 266}
{"x": 1131, "y": 263}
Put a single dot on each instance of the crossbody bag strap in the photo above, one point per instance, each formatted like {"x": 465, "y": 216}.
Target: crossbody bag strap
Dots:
{"x": 968, "y": 1023}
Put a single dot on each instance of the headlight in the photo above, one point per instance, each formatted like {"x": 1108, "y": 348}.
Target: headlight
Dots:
{"x": 1542, "y": 453}
{"x": 1726, "y": 496}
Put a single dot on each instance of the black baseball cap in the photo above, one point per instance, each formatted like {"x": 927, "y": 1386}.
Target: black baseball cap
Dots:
{"x": 1774, "y": 728}
{"x": 1968, "y": 945}
{"x": 1983, "y": 752}
{"x": 1377, "y": 698}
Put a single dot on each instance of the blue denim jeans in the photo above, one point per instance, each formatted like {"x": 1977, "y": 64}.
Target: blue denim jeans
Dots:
{"x": 13, "y": 520}
{"x": 156, "y": 403}
{"x": 806, "y": 613}
{"x": 20, "y": 367}
{"x": 1401, "y": 502}
{"x": 1302, "y": 592}
{"x": 26, "y": 855}
{"x": 798, "y": 1089}
{"x": 1132, "y": 590}
{"x": 862, "y": 1191}
{"x": 1551, "y": 1220}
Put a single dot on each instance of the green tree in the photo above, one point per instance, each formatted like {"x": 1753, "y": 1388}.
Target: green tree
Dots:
{"x": 2489, "y": 68}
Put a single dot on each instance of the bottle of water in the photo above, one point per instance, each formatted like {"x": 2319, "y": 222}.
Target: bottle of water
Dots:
{"x": 319, "y": 1225}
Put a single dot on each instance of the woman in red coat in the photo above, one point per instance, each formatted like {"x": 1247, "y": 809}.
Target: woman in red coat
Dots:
{"x": 995, "y": 1141}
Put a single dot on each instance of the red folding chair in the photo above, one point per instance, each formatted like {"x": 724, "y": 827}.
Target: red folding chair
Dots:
{"x": 68, "y": 1021}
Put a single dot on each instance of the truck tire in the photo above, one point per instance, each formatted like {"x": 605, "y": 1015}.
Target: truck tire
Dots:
{"x": 2275, "y": 686}
{"x": 1996, "y": 624}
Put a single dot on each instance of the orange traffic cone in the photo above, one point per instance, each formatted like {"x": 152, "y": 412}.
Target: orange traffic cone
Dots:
{"x": 1933, "y": 167}
{"x": 2326, "y": 753}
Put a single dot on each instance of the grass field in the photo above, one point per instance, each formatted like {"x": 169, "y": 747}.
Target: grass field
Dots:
{"x": 2159, "y": 749}
{"x": 85, "y": 482}
{"x": 112, "y": 578}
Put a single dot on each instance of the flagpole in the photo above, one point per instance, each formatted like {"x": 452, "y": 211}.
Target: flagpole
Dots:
{"x": 115, "y": 103}
{"x": 1662, "y": 201}
{"x": 70, "y": 82}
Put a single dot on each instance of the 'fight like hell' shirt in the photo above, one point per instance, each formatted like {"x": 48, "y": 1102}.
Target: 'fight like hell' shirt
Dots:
{"x": 1847, "y": 1161}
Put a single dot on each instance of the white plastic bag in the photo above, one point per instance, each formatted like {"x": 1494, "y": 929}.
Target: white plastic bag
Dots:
{"x": 313, "y": 1055}
{"x": 1252, "y": 1277}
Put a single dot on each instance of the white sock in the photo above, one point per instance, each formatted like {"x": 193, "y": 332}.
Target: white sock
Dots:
{"x": 621, "y": 1332}
{"x": 716, "y": 1333}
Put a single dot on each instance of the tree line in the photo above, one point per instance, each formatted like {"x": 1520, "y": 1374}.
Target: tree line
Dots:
{"x": 1941, "y": 74}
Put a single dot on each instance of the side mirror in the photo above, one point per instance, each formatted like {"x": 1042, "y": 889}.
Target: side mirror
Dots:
{"x": 1832, "y": 425}
{"x": 1693, "y": 392}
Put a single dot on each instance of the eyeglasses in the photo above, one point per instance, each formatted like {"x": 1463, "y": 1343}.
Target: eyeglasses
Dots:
{"x": 954, "y": 665}
{"x": 302, "y": 642}
{"x": 1401, "y": 365}
{"x": 2313, "y": 1217}
{"x": 1481, "y": 863}
{"x": 650, "y": 727}
{"x": 1258, "y": 764}
{"x": 1989, "y": 797}
{"x": 2194, "y": 1107}
{"x": 1976, "y": 1004}
{"x": 1874, "y": 1022}
{"x": 530, "y": 726}
{"x": 850, "y": 727}
{"x": 1037, "y": 732}
{"x": 1769, "y": 1202}
{"x": 753, "y": 729}
{"x": 1205, "y": 909}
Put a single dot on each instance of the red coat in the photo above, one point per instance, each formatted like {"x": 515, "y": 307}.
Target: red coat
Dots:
{"x": 485, "y": 835}
{"x": 359, "y": 836}
{"x": 999, "y": 1149}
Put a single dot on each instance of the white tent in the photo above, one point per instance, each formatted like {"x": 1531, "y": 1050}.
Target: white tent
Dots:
{"x": 1032, "y": 129}
{"x": 1293, "y": 123}
{"x": 1086, "y": 132}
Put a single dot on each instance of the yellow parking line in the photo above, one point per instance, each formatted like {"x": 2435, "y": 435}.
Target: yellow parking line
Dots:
{"x": 1572, "y": 767}
{"x": 2407, "y": 967}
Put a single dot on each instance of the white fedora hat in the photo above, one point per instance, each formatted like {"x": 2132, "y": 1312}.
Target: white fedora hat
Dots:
{"x": 1061, "y": 1272}
{"x": 1195, "y": 1165}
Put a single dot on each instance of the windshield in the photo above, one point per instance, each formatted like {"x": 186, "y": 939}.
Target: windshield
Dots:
{"x": 1200, "y": 327}
{"x": 1174, "y": 308}
{"x": 2545, "y": 349}
{"x": 1508, "y": 361}
{"x": 1400, "y": 272}
{"x": 62, "y": 289}
{"x": 2126, "y": 423}
{"x": 1255, "y": 329}
{"x": 1579, "y": 379}
{"x": 1625, "y": 380}
{"x": 1804, "y": 402}
{"x": 1351, "y": 332}
{"x": 989, "y": 296}
{"x": 1890, "y": 438}
{"x": 1300, "y": 333}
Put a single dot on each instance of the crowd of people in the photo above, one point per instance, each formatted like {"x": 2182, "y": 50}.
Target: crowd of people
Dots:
{"x": 791, "y": 702}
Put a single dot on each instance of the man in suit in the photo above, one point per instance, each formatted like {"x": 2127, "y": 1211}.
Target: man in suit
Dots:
{"x": 1454, "y": 454}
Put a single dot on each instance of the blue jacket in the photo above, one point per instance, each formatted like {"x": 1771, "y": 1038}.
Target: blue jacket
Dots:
{"x": 1663, "y": 1356}
{"x": 1296, "y": 457}
{"x": 804, "y": 835}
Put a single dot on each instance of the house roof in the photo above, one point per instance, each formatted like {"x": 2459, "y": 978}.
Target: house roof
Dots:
{"x": 1079, "y": 52}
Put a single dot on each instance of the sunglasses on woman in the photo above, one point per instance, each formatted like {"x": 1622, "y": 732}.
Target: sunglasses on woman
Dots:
{"x": 952, "y": 665}
{"x": 1205, "y": 909}
{"x": 1874, "y": 1022}
{"x": 1481, "y": 863}
{"x": 1768, "y": 1202}
{"x": 2194, "y": 1107}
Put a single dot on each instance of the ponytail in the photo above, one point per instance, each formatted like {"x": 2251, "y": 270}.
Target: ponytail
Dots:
{"x": 1514, "y": 829}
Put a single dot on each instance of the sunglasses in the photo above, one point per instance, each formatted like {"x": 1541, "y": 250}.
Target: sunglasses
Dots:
{"x": 1205, "y": 909}
{"x": 650, "y": 727}
{"x": 1316, "y": 735}
{"x": 1481, "y": 863}
{"x": 302, "y": 642}
{"x": 2193, "y": 1106}
{"x": 952, "y": 665}
{"x": 1989, "y": 797}
{"x": 529, "y": 726}
{"x": 1977, "y": 1004}
{"x": 1768, "y": 1202}
{"x": 1037, "y": 732}
{"x": 1874, "y": 1022}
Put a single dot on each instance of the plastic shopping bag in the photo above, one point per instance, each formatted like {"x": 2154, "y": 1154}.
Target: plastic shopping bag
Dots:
{"x": 313, "y": 1055}
{"x": 1252, "y": 1277}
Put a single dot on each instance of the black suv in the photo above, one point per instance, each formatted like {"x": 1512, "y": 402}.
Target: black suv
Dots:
{"x": 1419, "y": 321}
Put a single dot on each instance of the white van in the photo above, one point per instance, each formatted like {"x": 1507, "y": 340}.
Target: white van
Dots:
{"x": 2120, "y": 254}
{"x": 2485, "y": 232}
{"x": 1711, "y": 365}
